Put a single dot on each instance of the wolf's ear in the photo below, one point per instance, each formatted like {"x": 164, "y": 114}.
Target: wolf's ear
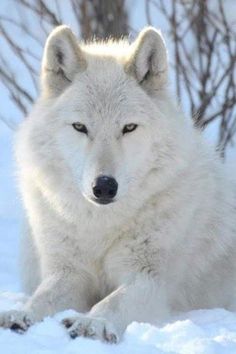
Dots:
{"x": 148, "y": 59}
{"x": 62, "y": 59}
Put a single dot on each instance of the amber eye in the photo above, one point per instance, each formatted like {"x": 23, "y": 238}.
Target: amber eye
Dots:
{"x": 128, "y": 128}
{"x": 80, "y": 128}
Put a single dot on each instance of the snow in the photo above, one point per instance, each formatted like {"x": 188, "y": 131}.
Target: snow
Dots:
{"x": 204, "y": 331}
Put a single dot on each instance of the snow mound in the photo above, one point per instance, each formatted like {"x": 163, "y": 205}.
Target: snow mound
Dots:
{"x": 203, "y": 331}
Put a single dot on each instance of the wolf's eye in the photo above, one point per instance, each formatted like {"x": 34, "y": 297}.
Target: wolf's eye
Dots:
{"x": 128, "y": 128}
{"x": 80, "y": 128}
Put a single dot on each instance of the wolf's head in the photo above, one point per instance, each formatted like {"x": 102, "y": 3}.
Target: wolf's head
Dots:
{"x": 104, "y": 114}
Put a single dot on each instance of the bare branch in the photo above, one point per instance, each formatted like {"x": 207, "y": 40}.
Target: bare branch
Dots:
{"x": 204, "y": 61}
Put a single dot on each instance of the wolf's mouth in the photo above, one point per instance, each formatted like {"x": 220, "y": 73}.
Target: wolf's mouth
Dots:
{"x": 103, "y": 201}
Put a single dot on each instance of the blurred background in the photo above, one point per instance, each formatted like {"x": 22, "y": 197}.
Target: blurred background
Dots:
{"x": 200, "y": 35}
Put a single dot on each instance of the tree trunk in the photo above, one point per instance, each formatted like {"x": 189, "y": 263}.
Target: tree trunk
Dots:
{"x": 103, "y": 18}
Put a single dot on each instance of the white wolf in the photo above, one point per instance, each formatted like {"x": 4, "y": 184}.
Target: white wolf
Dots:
{"x": 129, "y": 214}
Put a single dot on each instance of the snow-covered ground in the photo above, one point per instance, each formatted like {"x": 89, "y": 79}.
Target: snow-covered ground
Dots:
{"x": 206, "y": 331}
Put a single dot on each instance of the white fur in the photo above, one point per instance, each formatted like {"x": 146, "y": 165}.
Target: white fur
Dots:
{"x": 168, "y": 242}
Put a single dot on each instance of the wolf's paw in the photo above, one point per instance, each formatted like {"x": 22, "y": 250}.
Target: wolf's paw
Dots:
{"x": 18, "y": 321}
{"x": 91, "y": 327}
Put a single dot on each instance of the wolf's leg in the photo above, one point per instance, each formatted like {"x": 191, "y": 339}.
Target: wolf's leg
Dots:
{"x": 61, "y": 291}
{"x": 58, "y": 292}
{"x": 141, "y": 300}
{"x": 29, "y": 261}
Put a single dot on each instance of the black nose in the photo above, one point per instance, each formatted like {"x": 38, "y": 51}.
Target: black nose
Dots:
{"x": 105, "y": 189}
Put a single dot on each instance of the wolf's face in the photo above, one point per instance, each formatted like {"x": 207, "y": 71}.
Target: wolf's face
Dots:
{"x": 104, "y": 119}
{"x": 105, "y": 134}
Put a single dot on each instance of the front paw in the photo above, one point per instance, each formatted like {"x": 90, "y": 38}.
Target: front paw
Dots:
{"x": 95, "y": 328}
{"x": 18, "y": 321}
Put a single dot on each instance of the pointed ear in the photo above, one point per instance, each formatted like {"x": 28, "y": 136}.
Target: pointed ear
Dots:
{"x": 148, "y": 60}
{"x": 62, "y": 59}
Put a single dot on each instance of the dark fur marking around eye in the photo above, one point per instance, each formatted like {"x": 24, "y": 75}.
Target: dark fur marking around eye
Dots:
{"x": 129, "y": 128}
